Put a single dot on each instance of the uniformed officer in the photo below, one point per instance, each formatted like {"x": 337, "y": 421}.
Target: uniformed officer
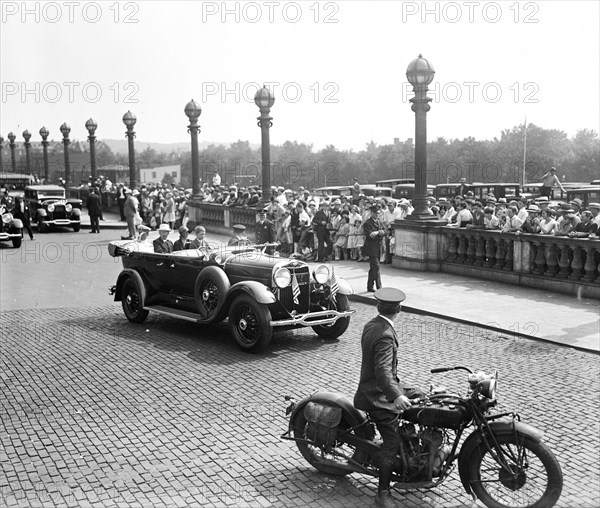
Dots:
{"x": 238, "y": 237}
{"x": 380, "y": 392}
{"x": 375, "y": 232}
{"x": 265, "y": 231}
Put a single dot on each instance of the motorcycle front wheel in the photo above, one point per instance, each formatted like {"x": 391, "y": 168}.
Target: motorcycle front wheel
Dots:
{"x": 535, "y": 479}
{"x": 332, "y": 460}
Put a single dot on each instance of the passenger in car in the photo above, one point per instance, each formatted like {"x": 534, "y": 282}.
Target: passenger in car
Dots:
{"x": 162, "y": 245}
{"x": 182, "y": 242}
{"x": 200, "y": 241}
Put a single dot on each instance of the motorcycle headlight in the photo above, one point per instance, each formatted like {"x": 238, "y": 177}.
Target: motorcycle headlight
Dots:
{"x": 50, "y": 208}
{"x": 7, "y": 217}
{"x": 69, "y": 207}
{"x": 282, "y": 278}
{"x": 488, "y": 386}
{"x": 321, "y": 274}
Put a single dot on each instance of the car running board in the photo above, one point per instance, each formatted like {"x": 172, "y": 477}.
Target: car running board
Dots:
{"x": 181, "y": 314}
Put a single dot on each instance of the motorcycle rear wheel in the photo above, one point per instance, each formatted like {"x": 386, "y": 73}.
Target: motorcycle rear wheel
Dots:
{"x": 326, "y": 462}
{"x": 536, "y": 481}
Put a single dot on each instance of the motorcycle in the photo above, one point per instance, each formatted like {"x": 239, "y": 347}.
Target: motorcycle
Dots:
{"x": 503, "y": 463}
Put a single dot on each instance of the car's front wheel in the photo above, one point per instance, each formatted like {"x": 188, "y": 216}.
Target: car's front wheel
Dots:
{"x": 76, "y": 227}
{"x": 131, "y": 299}
{"x": 250, "y": 324}
{"x": 335, "y": 330}
{"x": 16, "y": 242}
{"x": 42, "y": 226}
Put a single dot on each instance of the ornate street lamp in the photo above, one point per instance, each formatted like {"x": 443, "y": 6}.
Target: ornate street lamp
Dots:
{"x": 13, "y": 158}
{"x": 44, "y": 133}
{"x": 27, "y": 137}
{"x": 193, "y": 112}
{"x": 129, "y": 120}
{"x": 420, "y": 74}
{"x": 264, "y": 100}
{"x": 65, "y": 129}
{"x": 91, "y": 126}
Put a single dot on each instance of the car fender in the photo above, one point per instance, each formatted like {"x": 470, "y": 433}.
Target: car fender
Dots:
{"x": 17, "y": 223}
{"x": 130, "y": 274}
{"x": 76, "y": 212}
{"x": 498, "y": 429}
{"x": 344, "y": 287}
{"x": 42, "y": 212}
{"x": 257, "y": 290}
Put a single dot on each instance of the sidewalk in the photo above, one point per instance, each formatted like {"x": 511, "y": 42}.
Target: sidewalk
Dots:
{"x": 508, "y": 309}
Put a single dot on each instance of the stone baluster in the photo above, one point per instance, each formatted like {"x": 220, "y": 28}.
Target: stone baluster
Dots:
{"x": 462, "y": 248}
{"x": 508, "y": 262}
{"x": 472, "y": 241}
{"x": 551, "y": 260}
{"x": 490, "y": 254}
{"x": 452, "y": 248}
{"x": 480, "y": 251}
{"x": 499, "y": 253}
{"x": 540, "y": 260}
{"x": 590, "y": 263}
{"x": 576, "y": 264}
{"x": 563, "y": 262}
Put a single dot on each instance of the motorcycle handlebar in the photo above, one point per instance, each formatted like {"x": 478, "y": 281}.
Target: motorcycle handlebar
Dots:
{"x": 446, "y": 369}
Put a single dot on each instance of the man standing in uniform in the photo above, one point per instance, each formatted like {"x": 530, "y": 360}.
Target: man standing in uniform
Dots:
{"x": 94, "y": 208}
{"x": 238, "y": 236}
{"x": 375, "y": 231}
{"x": 319, "y": 222}
{"x": 380, "y": 392}
{"x": 130, "y": 211}
{"x": 265, "y": 231}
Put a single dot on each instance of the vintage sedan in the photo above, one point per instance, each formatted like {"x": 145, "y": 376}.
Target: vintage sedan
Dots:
{"x": 256, "y": 291}
{"x": 10, "y": 228}
{"x": 48, "y": 207}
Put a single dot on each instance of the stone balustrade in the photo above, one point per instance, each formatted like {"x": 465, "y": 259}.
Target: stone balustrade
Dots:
{"x": 220, "y": 219}
{"x": 563, "y": 264}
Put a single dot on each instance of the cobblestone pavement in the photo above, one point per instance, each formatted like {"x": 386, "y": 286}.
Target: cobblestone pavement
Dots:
{"x": 100, "y": 412}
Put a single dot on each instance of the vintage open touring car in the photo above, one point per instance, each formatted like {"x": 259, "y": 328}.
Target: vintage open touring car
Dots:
{"x": 258, "y": 292}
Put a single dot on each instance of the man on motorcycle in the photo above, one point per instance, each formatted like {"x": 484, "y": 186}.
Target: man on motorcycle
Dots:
{"x": 380, "y": 392}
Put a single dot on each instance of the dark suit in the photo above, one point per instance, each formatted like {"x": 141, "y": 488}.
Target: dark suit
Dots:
{"x": 322, "y": 233}
{"x": 161, "y": 247}
{"x": 181, "y": 245}
{"x": 265, "y": 233}
{"x": 21, "y": 211}
{"x": 94, "y": 208}
{"x": 372, "y": 249}
{"x": 461, "y": 189}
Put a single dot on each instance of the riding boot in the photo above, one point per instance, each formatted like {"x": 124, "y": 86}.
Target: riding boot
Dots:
{"x": 384, "y": 497}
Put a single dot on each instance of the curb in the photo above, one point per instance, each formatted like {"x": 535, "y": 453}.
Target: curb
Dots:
{"x": 370, "y": 300}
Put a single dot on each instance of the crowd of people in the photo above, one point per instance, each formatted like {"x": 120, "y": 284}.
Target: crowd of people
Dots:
{"x": 332, "y": 227}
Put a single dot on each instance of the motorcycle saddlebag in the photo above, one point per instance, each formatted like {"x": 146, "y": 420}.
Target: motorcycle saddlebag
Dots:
{"x": 321, "y": 422}
{"x": 445, "y": 413}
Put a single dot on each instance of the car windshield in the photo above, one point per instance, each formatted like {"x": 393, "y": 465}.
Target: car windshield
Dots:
{"x": 52, "y": 194}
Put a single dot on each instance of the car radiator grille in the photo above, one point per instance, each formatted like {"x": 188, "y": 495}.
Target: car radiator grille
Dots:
{"x": 286, "y": 295}
{"x": 59, "y": 212}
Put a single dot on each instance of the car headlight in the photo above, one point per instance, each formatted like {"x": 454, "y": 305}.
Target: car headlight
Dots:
{"x": 50, "y": 208}
{"x": 282, "y": 278}
{"x": 68, "y": 207}
{"x": 7, "y": 217}
{"x": 216, "y": 257}
{"x": 321, "y": 274}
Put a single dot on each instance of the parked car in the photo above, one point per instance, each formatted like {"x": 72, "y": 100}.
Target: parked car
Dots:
{"x": 259, "y": 293}
{"x": 393, "y": 182}
{"x": 375, "y": 191}
{"x": 407, "y": 190}
{"x": 10, "y": 228}
{"x": 480, "y": 190}
{"x": 588, "y": 194}
{"x": 48, "y": 207}
{"x": 334, "y": 191}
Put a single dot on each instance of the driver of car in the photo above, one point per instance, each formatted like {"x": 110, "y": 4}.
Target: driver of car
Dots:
{"x": 380, "y": 392}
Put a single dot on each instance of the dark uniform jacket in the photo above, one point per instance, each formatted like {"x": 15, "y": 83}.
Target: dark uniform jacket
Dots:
{"x": 94, "y": 205}
{"x": 379, "y": 385}
{"x": 265, "y": 232}
{"x": 372, "y": 246}
{"x": 162, "y": 247}
{"x": 319, "y": 217}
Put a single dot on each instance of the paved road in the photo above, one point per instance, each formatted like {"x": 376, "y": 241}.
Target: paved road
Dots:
{"x": 100, "y": 412}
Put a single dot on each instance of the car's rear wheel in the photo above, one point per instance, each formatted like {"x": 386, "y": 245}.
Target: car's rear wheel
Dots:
{"x": 131, "y": 300}
{"x": 76, "y": 227}
{"x": 250, "y": 324}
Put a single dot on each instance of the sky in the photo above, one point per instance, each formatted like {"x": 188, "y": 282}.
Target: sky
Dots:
{"x": 337, "y": 69}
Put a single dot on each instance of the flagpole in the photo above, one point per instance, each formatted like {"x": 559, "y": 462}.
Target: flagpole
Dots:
{"x": 524, "y": 152}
